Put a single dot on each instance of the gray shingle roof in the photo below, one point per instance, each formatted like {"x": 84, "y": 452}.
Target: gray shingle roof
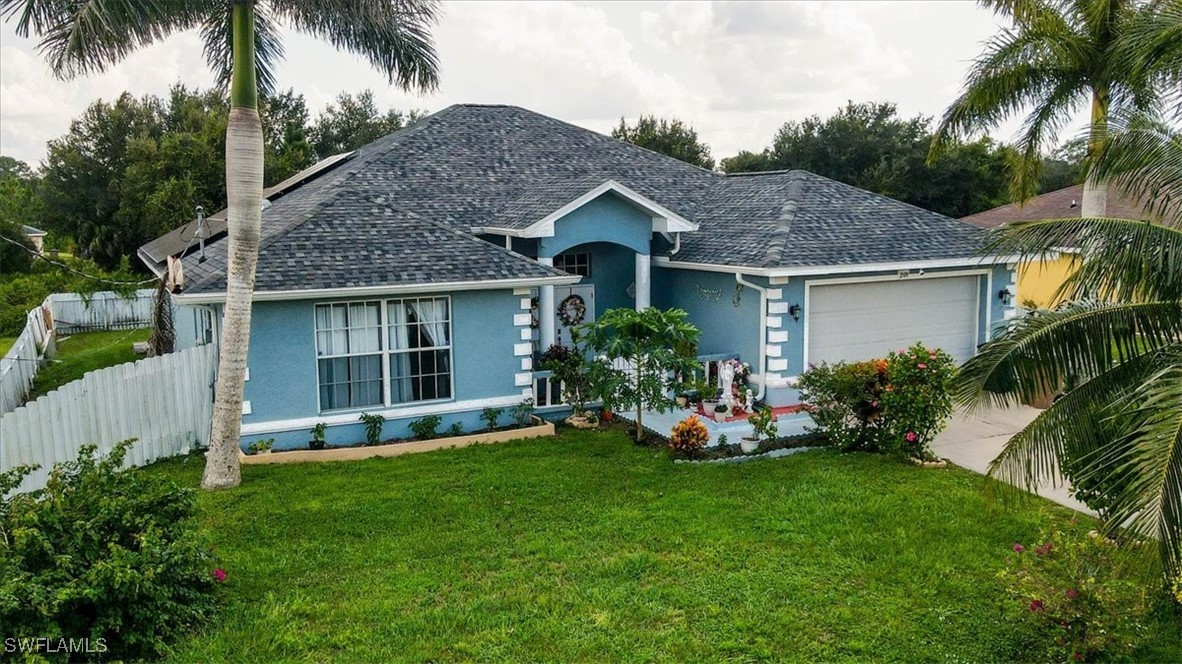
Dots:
{"x": 471, "y": 166}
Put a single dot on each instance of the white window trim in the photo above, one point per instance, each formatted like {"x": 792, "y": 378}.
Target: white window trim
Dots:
{"x": 387, "y": 404}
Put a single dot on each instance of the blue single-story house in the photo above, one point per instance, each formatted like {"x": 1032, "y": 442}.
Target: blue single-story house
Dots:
{"x": 422, "y": 273}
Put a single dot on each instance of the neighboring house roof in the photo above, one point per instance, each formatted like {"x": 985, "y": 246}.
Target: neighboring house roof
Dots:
{"x": 1061, "y": 204}
{"x": 473, "y": 167}
{"x": 33, "y": 232}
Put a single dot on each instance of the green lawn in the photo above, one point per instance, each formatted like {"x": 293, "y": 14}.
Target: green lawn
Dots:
{"x": 586, "y": 547}
{"x": 5, "y": 344}
{"x": 80, "y": 353}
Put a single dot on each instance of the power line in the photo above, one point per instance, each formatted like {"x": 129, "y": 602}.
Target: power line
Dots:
{"x": 76, "y": 271}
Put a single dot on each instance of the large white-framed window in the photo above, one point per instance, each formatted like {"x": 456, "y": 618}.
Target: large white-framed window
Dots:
{"x": 420, "y": 349}
{"x": 383, "y": 352}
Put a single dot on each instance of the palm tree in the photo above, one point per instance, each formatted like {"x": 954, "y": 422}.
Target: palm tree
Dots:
{"x": 1057, "y": 56}
{"x": 242, "y": 46}
{"x": 1118, "y": 346}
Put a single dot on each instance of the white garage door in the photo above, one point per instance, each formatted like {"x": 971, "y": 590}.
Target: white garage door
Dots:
{"x": 860, "y": 321}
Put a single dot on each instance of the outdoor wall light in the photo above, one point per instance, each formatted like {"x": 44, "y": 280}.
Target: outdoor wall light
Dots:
{"x": 794, "y": 311}
{"x": 1005, "y": 296}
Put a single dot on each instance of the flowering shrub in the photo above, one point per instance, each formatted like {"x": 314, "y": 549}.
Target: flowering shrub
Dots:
{"x": 1069, "y": 592}
{"x": 103, "y": 553}
{"x": 688, "y": 436}
{"x": 898, "y": 403}
{"x": 916, "y": 401}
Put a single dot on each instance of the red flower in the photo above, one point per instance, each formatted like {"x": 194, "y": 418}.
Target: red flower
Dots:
{"x": 1018, "y": 548}
{"x": 1072, "y": 593}
{"x": 921, "y": 365}
{"x": 911, "y": 436}
{"x": 1077, "y": 656}
{"x": 1037, "y": 605}
{"x": 219, "y": 575}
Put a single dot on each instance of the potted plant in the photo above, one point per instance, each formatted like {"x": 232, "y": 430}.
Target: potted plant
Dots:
{"x": 318, "y": 431}
{"x": 720, "y": 411}
{"x": 763, "y": 425}
{"x": 261, "y": 446}
{"x": 682, "y": 400}
{"x": 710, "y": 399}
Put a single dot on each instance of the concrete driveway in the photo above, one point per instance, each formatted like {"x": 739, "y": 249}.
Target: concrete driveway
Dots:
{"x": 972, "y": 441}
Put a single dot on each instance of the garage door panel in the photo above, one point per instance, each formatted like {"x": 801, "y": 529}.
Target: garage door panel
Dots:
{"x": 860, "y": 321}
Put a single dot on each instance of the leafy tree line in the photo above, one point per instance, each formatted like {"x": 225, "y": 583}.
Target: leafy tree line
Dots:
{"x": 132, "y": 168}
{"x": 870, "y": 146}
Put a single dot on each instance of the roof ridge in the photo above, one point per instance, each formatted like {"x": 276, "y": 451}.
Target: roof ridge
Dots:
{"x": 599, "y": 135}
{"x": 783, "y": 230}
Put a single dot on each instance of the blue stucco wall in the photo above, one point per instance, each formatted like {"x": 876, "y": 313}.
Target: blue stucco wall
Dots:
{"x": 283, "y": 377}
{"x": 728, "y": 329}
{"x": 708, "y": 297}
{"x": 613, "y": 268}
{"x": 608, "y": 218}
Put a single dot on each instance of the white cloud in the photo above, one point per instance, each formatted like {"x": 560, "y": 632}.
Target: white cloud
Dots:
{"x": 736, "y": 71}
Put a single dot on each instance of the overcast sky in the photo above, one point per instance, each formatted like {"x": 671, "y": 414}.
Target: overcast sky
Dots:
{"x": 735, "y": 71}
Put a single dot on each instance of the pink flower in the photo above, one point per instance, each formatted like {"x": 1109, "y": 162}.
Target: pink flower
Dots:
{"x": 219, "y": 575}
{"x": 1018, "y": 548}
{"x": 1072, "y": 593}
{"x": 911, "y": 437}
{"x": 921, "y": 365}
{"x": 1037, "y": 606}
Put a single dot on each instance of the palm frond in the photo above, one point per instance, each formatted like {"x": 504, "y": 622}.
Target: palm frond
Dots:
{"x": 1120, "y": 259}
{"x": 85, "y": 36}
{"x": 1045, "y": 351}
{"x": 1142, "y": 155}
{"x": 1151, "y": 504}
{"x": 1150, "y": 46}
{"x": 393, "y": 35}
{"x": 1033, "y": 455}
{"x": 217, "y": 36}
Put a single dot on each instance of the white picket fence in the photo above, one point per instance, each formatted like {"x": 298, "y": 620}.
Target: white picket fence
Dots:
{"x": 165, "y": 402}
{"x": 65, "y": 313}
{"x": 21, "y": 362}
{"x": 106, "y": 310}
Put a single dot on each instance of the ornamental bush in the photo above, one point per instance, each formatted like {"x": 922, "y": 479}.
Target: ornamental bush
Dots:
{"x": 896, "y": 404}
{"x": 688, "y": 436}
{"x": 102, "y": 553}
{"x": 1078, "y": 599}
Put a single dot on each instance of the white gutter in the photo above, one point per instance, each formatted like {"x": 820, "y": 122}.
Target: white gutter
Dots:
{"x": 811, "y": 271}
{"x": 762, "y": 332}
{"x": 676, "y": 244}
{"x": 367, "y": 291}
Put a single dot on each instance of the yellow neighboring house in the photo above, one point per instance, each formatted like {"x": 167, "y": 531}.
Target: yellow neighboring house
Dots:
{"x": 1038, "y": 281}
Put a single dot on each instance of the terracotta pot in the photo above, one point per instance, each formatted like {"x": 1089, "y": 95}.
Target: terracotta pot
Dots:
{"x": 606, "y": 415}
{"x": 682, "y": 402}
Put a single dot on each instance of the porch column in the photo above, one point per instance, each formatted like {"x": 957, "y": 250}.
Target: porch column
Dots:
{"x": 546, "y": 309}
{"x": 643, "y": 282}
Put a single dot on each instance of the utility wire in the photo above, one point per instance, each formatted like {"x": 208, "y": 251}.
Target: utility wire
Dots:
{"x": 75, "y": 270}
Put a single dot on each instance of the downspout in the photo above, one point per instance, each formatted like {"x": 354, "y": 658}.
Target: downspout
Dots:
{"x": 762, "y": 331}
{"x": 676, "y": 244}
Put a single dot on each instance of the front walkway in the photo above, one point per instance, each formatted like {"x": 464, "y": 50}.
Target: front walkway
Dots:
{"x": 973, "y": 441}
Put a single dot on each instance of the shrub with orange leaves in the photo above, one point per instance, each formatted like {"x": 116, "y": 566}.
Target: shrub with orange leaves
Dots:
{"x": 688, "y": 436}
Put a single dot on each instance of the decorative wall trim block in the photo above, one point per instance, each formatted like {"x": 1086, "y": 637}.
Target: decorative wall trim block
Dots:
{"x": 774, "y": 350}
{"x": 523, "y": 349}
{"x": 777, "y": 336}
{"x": 777, "y": 307}
{"x": 775, "y": 321}
{"x": 523, "y": 379}
{"x": 777, "y": 365}
{"x": 522, "y": 320}
{"x": 775, "y": 293}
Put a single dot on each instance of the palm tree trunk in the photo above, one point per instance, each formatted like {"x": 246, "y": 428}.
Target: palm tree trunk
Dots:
{"x": 244, "y": 192}
{"x": 1095, "y": 192}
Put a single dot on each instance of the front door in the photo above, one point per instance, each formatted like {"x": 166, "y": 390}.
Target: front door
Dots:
{"x": 574, "y": 305}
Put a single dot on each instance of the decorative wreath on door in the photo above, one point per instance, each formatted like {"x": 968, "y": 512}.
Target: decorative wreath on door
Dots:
{"x": 572, "y": 310}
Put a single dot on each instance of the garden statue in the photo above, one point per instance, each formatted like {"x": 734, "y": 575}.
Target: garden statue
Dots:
{"x": 749, "y": 401}
{"x": 726, "y": 379}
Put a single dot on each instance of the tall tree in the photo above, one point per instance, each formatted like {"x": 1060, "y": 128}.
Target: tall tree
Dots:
{"x": 670, "y": 137}
{"x": 869, "y": 146}
{"x": 1056, "y": 56}
{"x": 242, "y": 45}
{"x": 352, "y": 121}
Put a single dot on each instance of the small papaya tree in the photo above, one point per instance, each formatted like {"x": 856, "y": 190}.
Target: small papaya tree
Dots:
{"x": 639, "y": 356}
